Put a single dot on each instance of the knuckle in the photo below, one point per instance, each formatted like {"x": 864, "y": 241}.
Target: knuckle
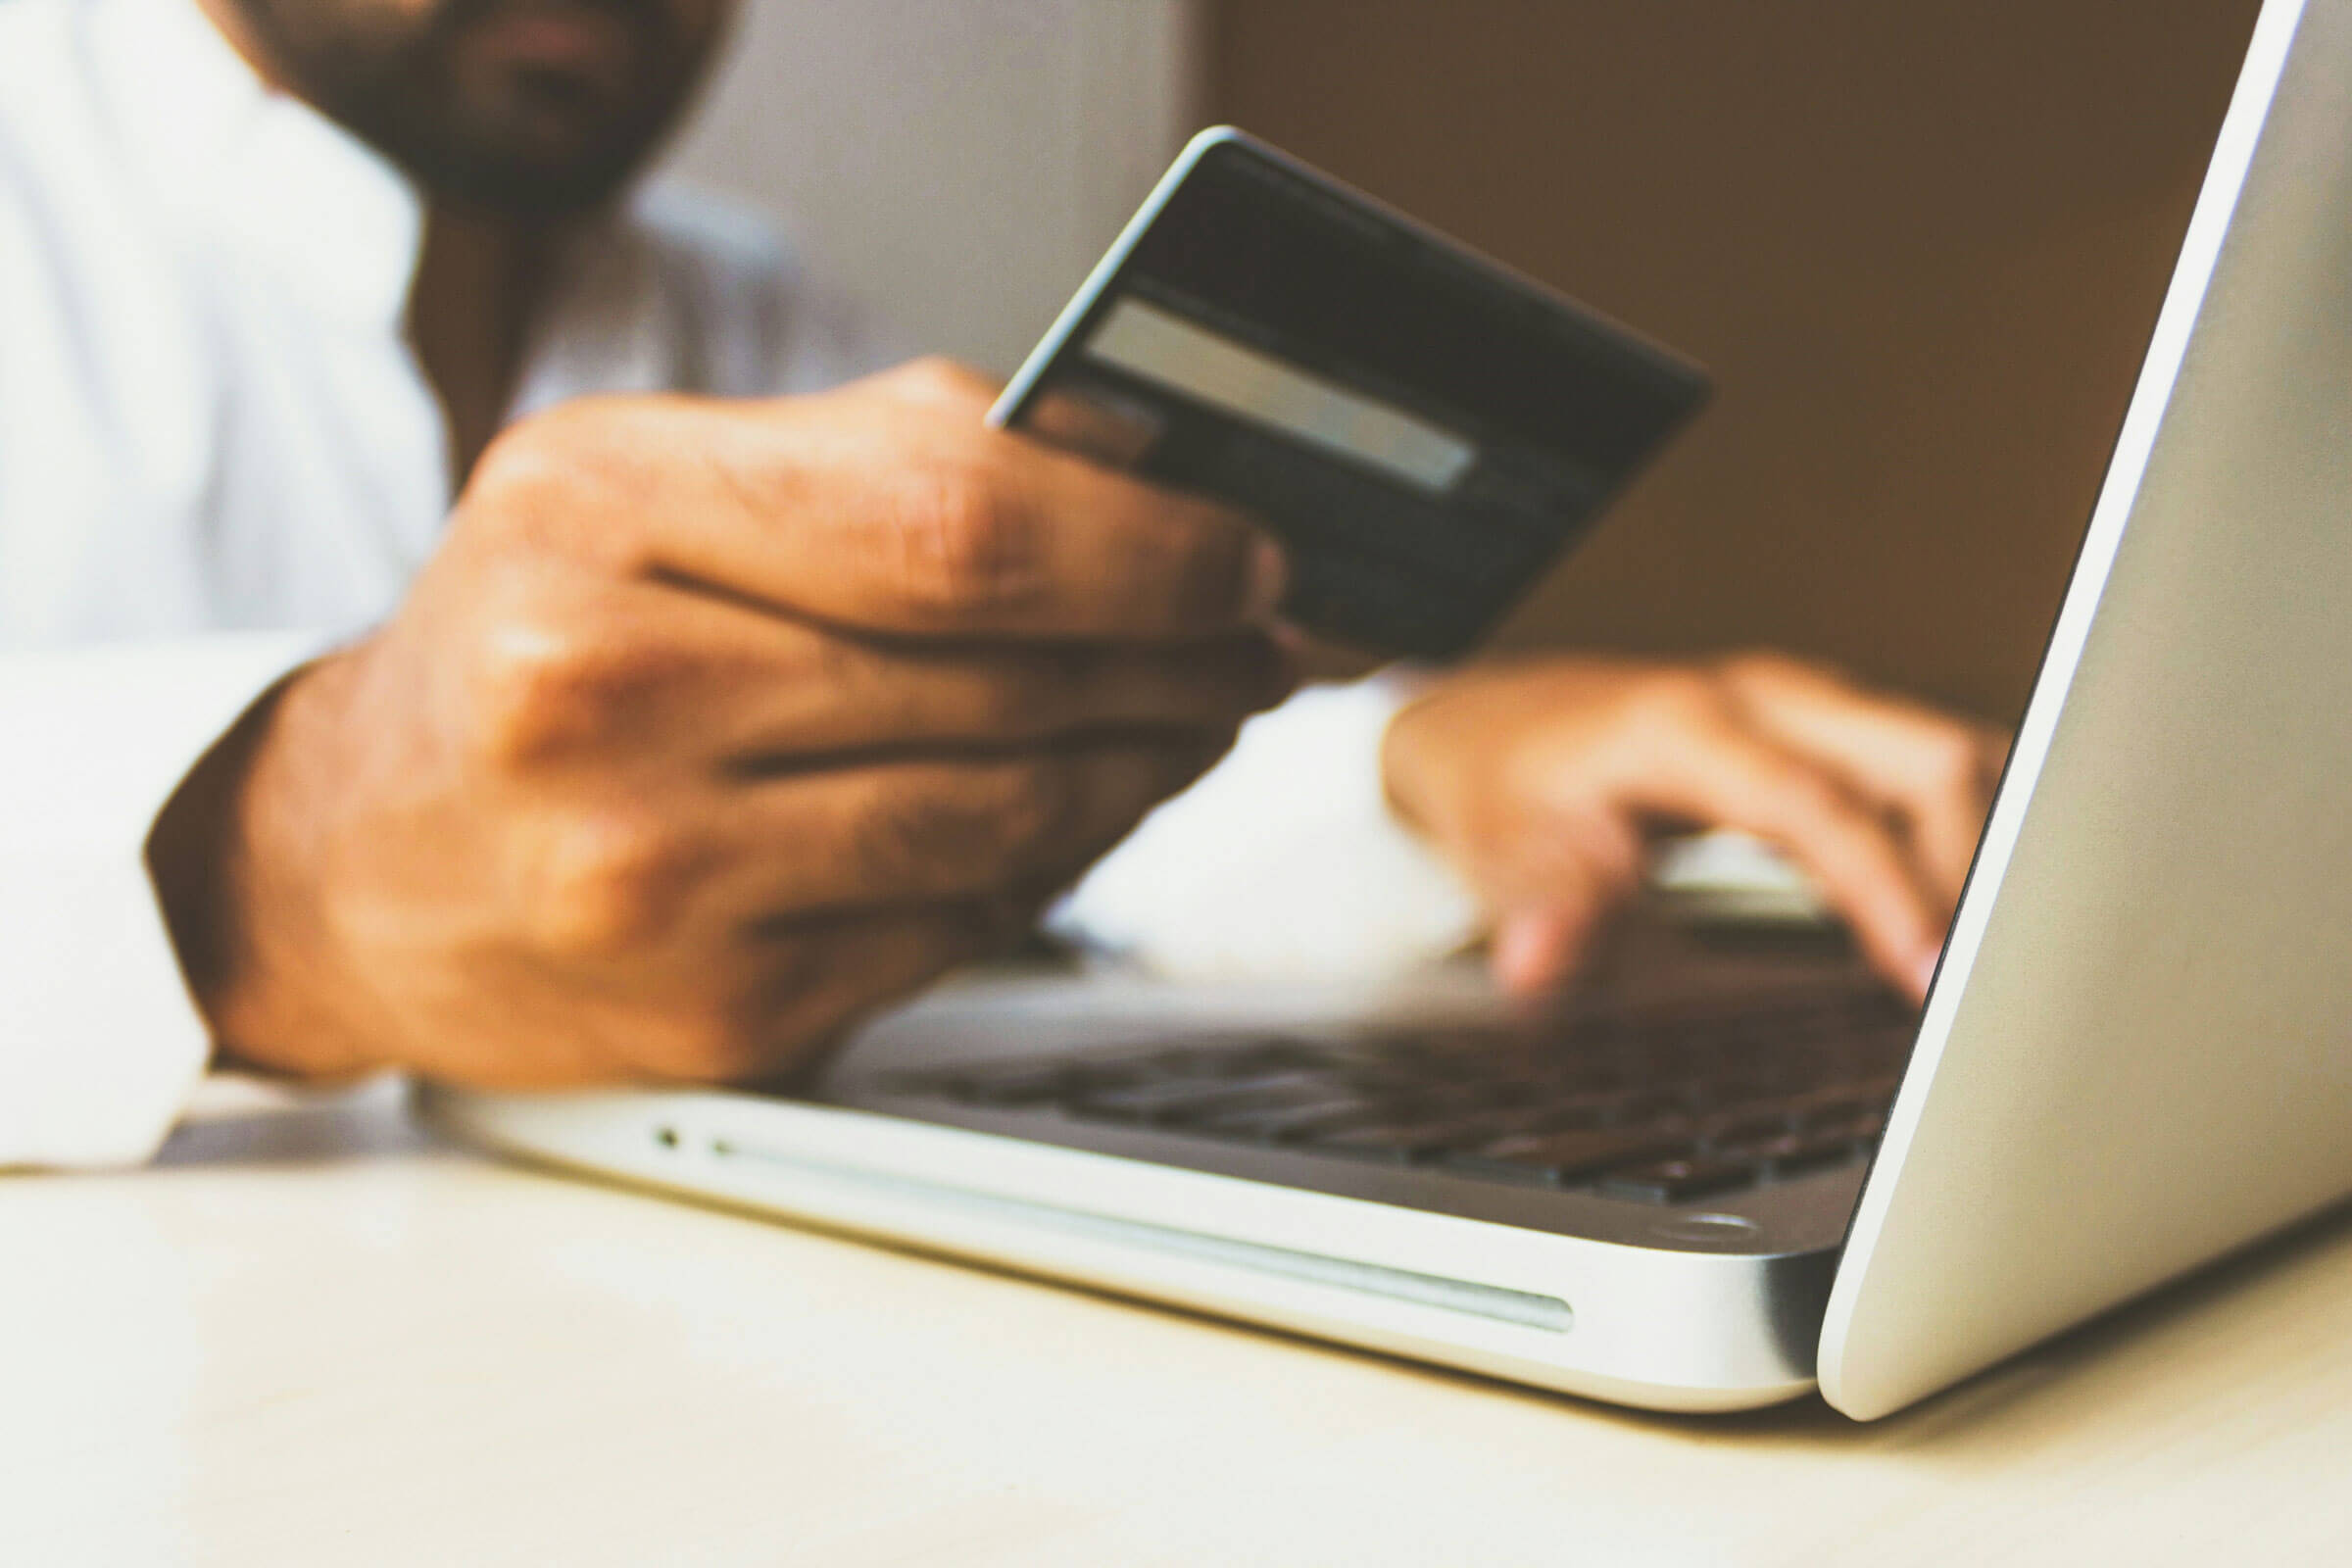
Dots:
{"x": 1806, "y": 805}
{"x": 573, "y": 480}
{"x": 1035, "y": 805}
{"x": 528, "y": 707}
{"x": 938, "y": 376}
{"x": 536, "y": 466}
{"x": 521, "y": 464}
{"x": 1758, "y": 666}
{"x": 610, "y": 884}
{"x": 967, "y": 543}
{"x": 546, "y": 685}
{"x": 1954, "y": 762}
{"x": 1777, "y": 669}
{"x": 1679, "y": 701}
{"x": 1200, "y": 564}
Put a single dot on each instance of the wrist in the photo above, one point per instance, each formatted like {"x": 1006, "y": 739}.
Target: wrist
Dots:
{"x": 229, "y": 876}
{"x": 1408, "y": 765}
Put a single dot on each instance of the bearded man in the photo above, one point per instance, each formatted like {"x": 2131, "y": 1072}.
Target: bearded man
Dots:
{"x": 464, "y": 613}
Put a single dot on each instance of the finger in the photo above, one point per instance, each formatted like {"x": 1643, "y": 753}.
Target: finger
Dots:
{"x": 939, "y": 382}
{"x": 1926, "y": 766}
{"x": 1552, "y": 878}
{"x": 921, "y": 523}
{"x": 1537, "y": 950}
{"x": 823, "y": 693}
{"x": 1539, "y": 856}
{"x": 796, "y": 986}
{"x": 658, "y": 669}
{"x": 1012, "y": 695}
{"x": 1712, "y": 770}
{"x": 895, "y": 833}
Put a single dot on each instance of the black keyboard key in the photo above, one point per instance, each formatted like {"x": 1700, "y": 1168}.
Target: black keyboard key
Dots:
{"x": 1500, "y": 1093}
{"x": 1374, "y": 1141}
{"x": 1791, "y": 1153}
{"x": 1598, "y": 1074}
{"x": 1273, "y": 1055}
{"x": 1275, "y": 1124}
{"x": 1020, "y": 1086}
{"x": 1166, "y": 1099}
{"x": 1843, "y": 1107}
{"x": 1572, "y": 1113}
{"x": 1625, "y": 1107}
{"x": 1652, "y": 1103}
{"x": 1288, "y": 1086}
{"x": 1568, "y": 1156}
{"x": 1736, "y": 1128}
{"x": 1723, "y": 1093}
{"x": 1674, "y": 1181}
{"x": 1863, "y": 1127}
{"x": 1583, "y": 1109}
{"x": 1399, "y": 1143}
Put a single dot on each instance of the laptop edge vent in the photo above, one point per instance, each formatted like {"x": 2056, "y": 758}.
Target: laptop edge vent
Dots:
{"x": 1499, "y": 1304}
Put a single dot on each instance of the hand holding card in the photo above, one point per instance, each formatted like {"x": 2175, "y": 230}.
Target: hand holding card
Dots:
{"x": 1426, "y": 430}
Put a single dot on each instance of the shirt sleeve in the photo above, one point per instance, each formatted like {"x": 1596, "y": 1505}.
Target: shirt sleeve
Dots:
{"x": 1283, "y": 863}
{"x": 100, "y": 1042}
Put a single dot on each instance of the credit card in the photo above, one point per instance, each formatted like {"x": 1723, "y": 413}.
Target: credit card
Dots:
{"x": 1426, "y": 430}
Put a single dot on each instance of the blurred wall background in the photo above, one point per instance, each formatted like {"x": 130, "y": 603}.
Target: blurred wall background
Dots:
{"x": 957, "y": 165}
{"x": 1920, "y": 245}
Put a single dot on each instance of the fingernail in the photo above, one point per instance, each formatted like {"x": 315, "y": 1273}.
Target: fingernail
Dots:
{"x": 1514, "y": 960}
{"x": 1269, "y": 578}
{"x": 1526, "y": 955}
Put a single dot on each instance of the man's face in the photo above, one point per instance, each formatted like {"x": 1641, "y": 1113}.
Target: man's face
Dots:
{"x": 529, "y": 107}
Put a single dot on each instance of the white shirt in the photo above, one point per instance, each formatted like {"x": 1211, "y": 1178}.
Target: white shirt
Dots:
{"x": 219, "y": 456}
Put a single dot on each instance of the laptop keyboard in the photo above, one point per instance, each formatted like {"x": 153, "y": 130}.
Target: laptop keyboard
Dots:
{"x": 1657, "y": 1106}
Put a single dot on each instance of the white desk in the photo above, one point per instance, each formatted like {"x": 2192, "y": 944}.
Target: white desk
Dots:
{"x": 311, "y": 1337}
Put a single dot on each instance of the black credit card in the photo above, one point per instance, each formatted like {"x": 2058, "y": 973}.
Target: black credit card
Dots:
{"x": 1426, "y": 430}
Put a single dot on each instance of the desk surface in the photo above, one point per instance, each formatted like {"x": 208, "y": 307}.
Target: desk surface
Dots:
{"x": 311, "y": 1336}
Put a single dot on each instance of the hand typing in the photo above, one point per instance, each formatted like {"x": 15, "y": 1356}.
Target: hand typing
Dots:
{"x": 1541, "y": 779}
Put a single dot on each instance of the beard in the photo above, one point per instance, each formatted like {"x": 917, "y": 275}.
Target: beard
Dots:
{"x": 526, "y": 108}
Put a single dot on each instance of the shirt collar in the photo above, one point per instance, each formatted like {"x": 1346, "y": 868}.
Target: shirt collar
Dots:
{"x": 260, "y": 178}
{"x": 259, "y": 174}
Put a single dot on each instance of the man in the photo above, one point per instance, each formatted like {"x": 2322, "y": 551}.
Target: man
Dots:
{"x": 696, "y": 728}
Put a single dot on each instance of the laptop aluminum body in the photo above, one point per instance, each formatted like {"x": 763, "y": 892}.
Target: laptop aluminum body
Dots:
{"x": 2133, "y": 1059}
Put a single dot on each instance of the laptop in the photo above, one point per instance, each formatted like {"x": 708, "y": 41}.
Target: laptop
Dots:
{"x": 1734, "y": 1172}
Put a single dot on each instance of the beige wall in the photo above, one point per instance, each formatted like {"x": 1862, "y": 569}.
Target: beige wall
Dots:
{"x": 1919, "y": 242}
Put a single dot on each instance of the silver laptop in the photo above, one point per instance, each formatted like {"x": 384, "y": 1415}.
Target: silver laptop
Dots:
{"x": 1727, "y": 1176}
